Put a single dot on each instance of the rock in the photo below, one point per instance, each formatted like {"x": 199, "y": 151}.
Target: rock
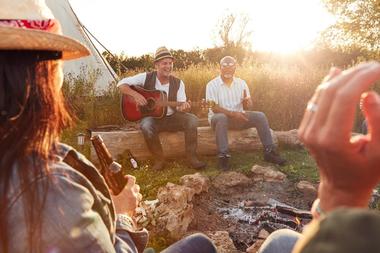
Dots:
{"x": 255, "y": 247}
{"x": 268, "y": 174}
{"x": 229, "y": 181}
{"x": 288, "y": 138}
{"x": 145, "y": 213}
{"x": 197, "y": 182}
{"x": 175, "y": 194}
{"x": 222, "y": 241}
{"x": 175, "y": 210}
{"x": 307, "y": 188}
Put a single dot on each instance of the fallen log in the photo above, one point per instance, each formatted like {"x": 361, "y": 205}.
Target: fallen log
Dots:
{"x": 173, "y": 144}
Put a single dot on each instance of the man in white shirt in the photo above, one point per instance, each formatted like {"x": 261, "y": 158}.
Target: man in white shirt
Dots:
{"x": 231, "y": 95}
{"x": 177, "y": 119}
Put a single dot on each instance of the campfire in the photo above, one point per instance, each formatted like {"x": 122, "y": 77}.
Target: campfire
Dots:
{"x": 254, "y": 217}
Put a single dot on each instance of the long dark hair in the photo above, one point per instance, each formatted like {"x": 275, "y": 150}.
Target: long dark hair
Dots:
{"x": 32, "y": 115}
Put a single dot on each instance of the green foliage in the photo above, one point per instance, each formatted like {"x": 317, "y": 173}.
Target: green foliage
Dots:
{"x": 358, "y": 25}
{"x": 89, "y": 106}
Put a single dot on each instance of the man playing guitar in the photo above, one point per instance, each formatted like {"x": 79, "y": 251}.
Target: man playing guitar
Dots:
{"x": 177, "y": 118}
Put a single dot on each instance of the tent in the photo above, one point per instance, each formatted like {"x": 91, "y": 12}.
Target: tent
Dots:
{"x": 72, "y": 27}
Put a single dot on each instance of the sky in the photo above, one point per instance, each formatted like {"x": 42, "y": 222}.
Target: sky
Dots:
{"x": 139, "y": 27}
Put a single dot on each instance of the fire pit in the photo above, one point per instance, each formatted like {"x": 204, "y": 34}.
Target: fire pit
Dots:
{"x": 257, "y": 216}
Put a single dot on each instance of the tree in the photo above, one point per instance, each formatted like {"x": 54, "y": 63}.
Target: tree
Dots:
{"x": 232, "y": 30}
{"x": 357, "y": 25}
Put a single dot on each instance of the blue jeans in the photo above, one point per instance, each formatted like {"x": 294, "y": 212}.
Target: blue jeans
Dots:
{"x": 280, "y": 241}
{"x": 179, "y": 121}
{"x": 196, "y": 243}
{"x": 221, "y": 123}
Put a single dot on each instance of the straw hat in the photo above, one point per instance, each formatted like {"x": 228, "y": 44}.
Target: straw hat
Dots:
{"x": 161, "y": 53}
{"x": 30, "y": 25}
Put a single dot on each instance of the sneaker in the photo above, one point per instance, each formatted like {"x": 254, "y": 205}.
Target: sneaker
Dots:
{"x": 158, "y": 165}
{"x": 196, "y": 164}
{"x": 224, "y": 163}
{"x": 273, "y": 157}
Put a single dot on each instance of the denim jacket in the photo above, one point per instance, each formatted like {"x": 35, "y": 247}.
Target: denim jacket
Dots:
{"x": 77, "y": 216}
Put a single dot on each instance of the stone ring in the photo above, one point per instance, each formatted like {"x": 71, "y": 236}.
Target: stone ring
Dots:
{"x": 312, "y": 107}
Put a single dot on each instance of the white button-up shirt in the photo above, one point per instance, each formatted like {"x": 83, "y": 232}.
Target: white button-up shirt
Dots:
{"x": 227, "y": 96}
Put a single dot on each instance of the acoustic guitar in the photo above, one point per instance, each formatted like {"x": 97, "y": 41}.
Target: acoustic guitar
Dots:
{"x": 157, "y": 104}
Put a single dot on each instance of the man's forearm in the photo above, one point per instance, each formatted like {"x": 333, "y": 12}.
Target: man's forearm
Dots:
{"x": 125, "y": 89}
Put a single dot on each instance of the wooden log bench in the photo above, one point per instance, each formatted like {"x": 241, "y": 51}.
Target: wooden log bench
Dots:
{"x": 173, "y": 143}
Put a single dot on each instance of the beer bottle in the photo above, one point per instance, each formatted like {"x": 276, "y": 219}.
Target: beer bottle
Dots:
{"x": 111, "y": 170}
{"x": 245, "y": 102}
{"x": 132, "y": 160}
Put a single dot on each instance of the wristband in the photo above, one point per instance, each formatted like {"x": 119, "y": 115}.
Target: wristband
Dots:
{"x": 123, "y": 221}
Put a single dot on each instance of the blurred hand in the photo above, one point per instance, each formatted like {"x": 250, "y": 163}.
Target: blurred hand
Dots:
{"x": 184, "y": 107}
{"x": 247, "y": 103}
{"x": 140, "y": 99}
{"x": 349, "y": 167}
{"x": 239, "y": 116}
{"x": 127, "y": 201}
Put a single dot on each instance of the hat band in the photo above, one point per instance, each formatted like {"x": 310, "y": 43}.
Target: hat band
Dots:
{"x": 39, "y": 55}
{"x": 166, "y": 54}
{"x": 44, "y": 25}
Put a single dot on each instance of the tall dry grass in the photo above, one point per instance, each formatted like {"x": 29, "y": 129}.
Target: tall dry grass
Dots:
{"x": 280, "y": 91}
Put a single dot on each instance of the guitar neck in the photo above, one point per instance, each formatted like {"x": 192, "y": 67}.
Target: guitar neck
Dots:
{"x": 174, "y": 103}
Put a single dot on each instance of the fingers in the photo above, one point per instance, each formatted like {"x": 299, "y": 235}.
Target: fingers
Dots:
{"x": 131, "y": 182}
{"x": 371, "y": 109}
{"x": 187, "y": 105}
{"x": 347, "y": 96}
{"x": 136, "y": 188}
{"x": 140, "y": 99}
{"x": 337, "y": 102}
{"x": 244, "y": 117}
{"x": 184, "y": 106}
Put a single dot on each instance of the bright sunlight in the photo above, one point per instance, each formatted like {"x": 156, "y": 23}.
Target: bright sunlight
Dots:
{"x": 287, "y": 26}
{"x": 277, "y": 25}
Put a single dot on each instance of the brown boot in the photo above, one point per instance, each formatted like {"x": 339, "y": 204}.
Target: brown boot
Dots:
{"x": 273, "y": 157}
{"x": 224, "y": 163}
{"x": 195, "y": 163}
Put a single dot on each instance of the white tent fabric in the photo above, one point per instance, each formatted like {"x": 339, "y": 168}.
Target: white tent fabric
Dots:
{"x": 72, "y": 27}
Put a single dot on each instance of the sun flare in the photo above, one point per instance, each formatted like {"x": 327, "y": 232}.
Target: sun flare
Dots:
{"x": 287, "y": 26}
{"x": 277, "y": 25}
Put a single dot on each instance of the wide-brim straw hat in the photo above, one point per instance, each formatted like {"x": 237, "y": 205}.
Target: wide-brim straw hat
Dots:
{"x": 30, "y": 25}
{"x": 162, "y": 53}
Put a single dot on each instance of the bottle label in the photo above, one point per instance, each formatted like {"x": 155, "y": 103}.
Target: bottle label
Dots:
{"x": 134, "y": 163}
{"x": 114, "y": 167}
